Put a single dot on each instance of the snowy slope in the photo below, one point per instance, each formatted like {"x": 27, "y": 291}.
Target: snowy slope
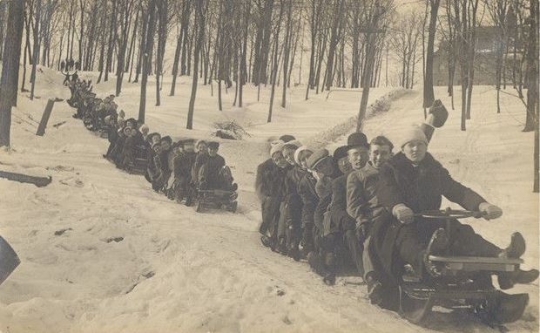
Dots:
{"x": 101, "y": 252}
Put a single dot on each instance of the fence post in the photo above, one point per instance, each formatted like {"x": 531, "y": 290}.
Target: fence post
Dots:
{"x": 45, "y": 118}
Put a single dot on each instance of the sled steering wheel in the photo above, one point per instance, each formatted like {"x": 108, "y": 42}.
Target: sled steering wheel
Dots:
{"x": 449, "y": 213}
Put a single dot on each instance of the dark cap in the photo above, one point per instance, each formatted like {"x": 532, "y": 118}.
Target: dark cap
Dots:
{"x": 286, "y": 138}
{"x": 213, "y": 145}
{"x": 340, "y": 152}
{"x": 357, "y": 139}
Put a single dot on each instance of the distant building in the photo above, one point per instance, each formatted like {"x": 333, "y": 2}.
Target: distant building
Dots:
{"x": 487, "y": 42}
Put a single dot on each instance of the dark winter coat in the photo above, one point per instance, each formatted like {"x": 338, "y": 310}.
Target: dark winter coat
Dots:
{"x": 270, "y": 180}
{"x": 183, "y": 164}
{"x": 306, "y": 190}
{"x": 341, "y": 221}
{"x": 210, "y": 171}
{"x": 362, "y": 202}
{"x": 324, "y": 202}
{"x": 293, "y": 201}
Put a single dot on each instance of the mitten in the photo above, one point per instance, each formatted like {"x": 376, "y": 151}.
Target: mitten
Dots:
{"x": 439, "y": 114}
{"x": 489, "y": 211}
{"x": 403, "y": 213}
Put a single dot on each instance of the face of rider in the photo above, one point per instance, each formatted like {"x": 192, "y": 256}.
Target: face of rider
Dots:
{"x": 165, "y": 145}
{"x": 304, "y": 155}
{"x": 279, "y": 160}
{"x": 156, "y": 139}
{"x": 212, "y": 151}
{"x": 344, "y": 165}
{"x": 379, "y": 154}
{"x": 358, "y": 157}
{"x": 415, "y": 151}
{"x": 189, "y": 147}
{"x": 325, "y": 167}
{"x": 288, "y": 154}
{"x": 202, "y": 147}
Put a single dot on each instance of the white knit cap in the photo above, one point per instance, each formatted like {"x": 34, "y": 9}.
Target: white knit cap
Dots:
{"x": 277, "y": 147}
{"x": 414, "y": 133}
{"x": 298, "y": 152}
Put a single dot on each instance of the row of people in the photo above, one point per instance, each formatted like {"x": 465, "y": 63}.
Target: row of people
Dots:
{"x": 361, "y": 205}
{"x": 177, "y": 169}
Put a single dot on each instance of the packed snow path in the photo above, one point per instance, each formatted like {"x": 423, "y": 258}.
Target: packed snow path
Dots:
{"x": 101, "y": 252}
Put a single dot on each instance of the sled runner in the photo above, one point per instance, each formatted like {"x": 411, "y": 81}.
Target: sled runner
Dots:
{"x": 465, "y": 284}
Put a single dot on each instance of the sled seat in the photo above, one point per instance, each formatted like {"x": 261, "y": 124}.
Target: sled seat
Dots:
{"x": 470, "y": 264}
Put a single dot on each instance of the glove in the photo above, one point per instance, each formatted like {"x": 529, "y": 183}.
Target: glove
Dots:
{"x": 439, "y": 112}
{"x": 403, "y": 213}
{"x": 489, "y": 211}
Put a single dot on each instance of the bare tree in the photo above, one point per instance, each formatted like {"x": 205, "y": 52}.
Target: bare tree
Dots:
{"x": 498, "y": 10}
{"x": 199, "y": 29}
{"x": 163, "y": 19}
{"x": 404, "y": 42}
{"x": 273, "y": 77}
{"x": 10, "y": 68}
{"x": 127, "y": 7}
{"x": 37, "y": 30}
{"x": 146, "y": 58}
{"x": 376, "y": 14}
{"x": 429, "y": 95}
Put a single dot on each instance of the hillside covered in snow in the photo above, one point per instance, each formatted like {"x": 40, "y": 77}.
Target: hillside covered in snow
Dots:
{"x": 102, "y": 252}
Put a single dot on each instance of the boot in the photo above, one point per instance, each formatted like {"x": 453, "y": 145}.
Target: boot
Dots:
{"x": 515, "y": 249}
{"x": 437, "y": 244}
{"x": 508, "y": 279}
{"x": 375, "y": 289}
{"x": 267, "y": 241}
{"x": 329, "y": 279}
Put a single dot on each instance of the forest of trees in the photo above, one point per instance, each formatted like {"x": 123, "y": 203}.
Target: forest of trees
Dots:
{"x": 322, "y": 44}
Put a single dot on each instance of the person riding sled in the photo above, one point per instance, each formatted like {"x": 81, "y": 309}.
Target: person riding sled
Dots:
{"x": 412, "y": 182}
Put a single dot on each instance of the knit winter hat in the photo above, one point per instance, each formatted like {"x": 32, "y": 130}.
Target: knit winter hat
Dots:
{"x": 298, "y": 152}
{"x": 317, "y": 158}
{"x": 277, "y": 147}
{"x": 414, "y": 133}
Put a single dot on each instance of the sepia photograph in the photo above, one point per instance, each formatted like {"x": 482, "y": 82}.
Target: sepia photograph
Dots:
{"x": 265, "y": 166}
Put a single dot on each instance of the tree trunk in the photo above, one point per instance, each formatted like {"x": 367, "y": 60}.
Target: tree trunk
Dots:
{"x": 37, "y": 30}
{"x": 81, "y": 36}
{"x": 286, "y": 53}
{"x": 199, "y": 28}
{"x": 146, "y": 61}
{"x": 26, "y": 46}
{"x": 112, "y": 41}
{"x": 175, "y": 64}
{"x": 162, "y": 9}
{"x": 10, "y": 68}
{"x": 429, "y": 95}
{"x": 275, "y": 63}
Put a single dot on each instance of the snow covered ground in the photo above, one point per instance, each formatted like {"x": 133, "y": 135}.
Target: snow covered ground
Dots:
{"x": 101, "y": 252}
